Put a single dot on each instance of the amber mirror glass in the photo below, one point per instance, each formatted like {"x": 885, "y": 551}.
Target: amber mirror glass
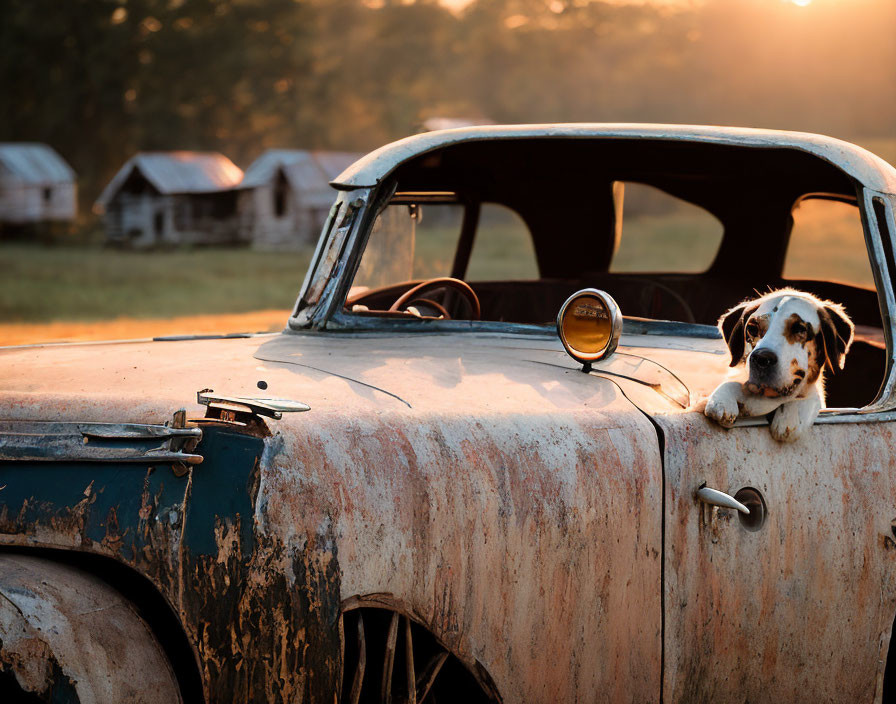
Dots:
{"x": 589, "y": 325}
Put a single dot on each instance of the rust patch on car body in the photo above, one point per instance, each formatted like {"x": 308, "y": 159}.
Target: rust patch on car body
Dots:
{"x": 730, "y": 634}
{"x": 252, "y": 608}
{"x": 549, "y": 493}
{"x": 522, "y": 529}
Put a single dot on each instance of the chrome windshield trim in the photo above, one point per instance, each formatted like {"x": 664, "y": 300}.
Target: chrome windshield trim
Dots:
{"x": 862, "y": 165}
{"x": 354, "y": 322}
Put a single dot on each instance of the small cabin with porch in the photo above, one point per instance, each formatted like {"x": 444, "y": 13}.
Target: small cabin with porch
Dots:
{"x": 287, "y": 195}
{"x": 36, "y": 185}
{"x": 174, "y": 198}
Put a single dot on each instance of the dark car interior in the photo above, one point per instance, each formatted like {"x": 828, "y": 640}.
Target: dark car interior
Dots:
{"x": 566, "y": 192}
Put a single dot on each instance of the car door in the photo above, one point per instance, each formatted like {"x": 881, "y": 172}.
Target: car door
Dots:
{"x": 797, "y": 605}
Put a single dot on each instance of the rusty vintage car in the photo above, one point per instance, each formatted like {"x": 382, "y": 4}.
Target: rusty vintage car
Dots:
{"x": 413, "y": 494}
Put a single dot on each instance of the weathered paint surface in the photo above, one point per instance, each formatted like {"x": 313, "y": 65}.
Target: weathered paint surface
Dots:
{"x": 66, "y": 636}
{"x": 193, "y": 536}
{"x": 522, "y": 528}
{"x": 528, "y": 544}
{"x": 508, "y": 502}
{"x": 800, "y": 610}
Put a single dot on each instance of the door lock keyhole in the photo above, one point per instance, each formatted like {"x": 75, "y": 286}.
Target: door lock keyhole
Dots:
{"x": 753, "y": 500}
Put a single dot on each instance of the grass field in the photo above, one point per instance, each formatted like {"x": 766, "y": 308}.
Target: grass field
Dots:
{"x": 43, "y": 284}
{"x": 66, "y": 283}
{"x": 126, "y": 328}
{"x": 177, "y": 291}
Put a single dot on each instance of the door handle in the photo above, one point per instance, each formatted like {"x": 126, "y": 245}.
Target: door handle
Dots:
{"x": 713, "y": 497}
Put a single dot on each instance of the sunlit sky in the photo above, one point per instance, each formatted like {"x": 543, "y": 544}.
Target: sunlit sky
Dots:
{"x": 460, "y": 4}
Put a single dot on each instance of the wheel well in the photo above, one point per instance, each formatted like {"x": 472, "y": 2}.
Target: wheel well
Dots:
{"x": 889, "y": 692}
{"x": 377, "y": 642}
{"x": 149, "y": 603}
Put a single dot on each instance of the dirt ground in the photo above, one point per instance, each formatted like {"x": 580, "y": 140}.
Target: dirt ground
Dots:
{"x": 134, "y": 328}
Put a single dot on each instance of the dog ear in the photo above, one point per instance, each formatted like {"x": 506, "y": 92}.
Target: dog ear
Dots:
{"x": 836, "y": 334}
{"x": 731, "y": 325}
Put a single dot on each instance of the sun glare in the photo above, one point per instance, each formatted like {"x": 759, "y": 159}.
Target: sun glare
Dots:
{"x": 801, "y": 3}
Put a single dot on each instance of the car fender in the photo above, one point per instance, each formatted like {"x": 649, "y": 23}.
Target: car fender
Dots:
{"x": 67, "y": 636}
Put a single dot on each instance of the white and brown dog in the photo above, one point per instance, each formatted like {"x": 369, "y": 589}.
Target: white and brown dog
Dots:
{"x": 780, "y": 344}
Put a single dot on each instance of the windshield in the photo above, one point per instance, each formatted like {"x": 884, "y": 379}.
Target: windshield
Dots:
{"x": 505, "y": 231}
{"x": 410, "y": 241}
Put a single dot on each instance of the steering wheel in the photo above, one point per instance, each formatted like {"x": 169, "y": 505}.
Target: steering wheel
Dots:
{"x": 417, "y": 294}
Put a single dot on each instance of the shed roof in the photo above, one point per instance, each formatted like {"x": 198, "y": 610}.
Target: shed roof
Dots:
{"x": 308, "y": 172}
{"x": 334, "y": 163}
{"x": 33, "y": 163}
{"x": 177, "y": 172}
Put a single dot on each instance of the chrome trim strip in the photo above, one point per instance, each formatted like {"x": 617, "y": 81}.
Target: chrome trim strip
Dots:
{"x": 36, "y": 441}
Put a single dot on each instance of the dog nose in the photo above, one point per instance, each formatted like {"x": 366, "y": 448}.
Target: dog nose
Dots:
{"x": 763, "y": 359}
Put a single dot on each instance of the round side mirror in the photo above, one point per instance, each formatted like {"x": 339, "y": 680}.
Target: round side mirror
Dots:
{"x": 589, "y": 325}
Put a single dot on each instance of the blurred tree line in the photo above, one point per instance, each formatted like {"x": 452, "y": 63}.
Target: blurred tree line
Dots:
{"x": 101, "y": 79}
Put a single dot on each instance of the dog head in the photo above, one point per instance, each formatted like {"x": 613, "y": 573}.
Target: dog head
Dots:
{"x": 786, "y": 338}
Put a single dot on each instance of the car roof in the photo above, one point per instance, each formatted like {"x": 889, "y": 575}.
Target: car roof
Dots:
{"x": 867, "y": 168}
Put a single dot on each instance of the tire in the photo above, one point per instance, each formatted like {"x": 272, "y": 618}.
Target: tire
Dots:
{"x": 65, "y": 635}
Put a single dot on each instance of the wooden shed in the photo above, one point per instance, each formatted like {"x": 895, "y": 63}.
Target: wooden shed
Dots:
{"x": 36, "y": 185}
{"x": 174, "y": 198}
{"x": 287, "y": 195}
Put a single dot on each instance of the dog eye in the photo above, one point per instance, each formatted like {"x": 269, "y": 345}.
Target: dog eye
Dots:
{"x": 752, "y": 328}
{"x": 799, "y": 328}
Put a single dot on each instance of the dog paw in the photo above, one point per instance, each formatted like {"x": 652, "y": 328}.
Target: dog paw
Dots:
{"x": 786, "y": 425}
{"x": 722, "y": 410}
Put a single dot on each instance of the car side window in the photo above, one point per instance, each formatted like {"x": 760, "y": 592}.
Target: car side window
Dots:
{"x": 662, "y": 233}
{"x": 827, "y": 243}
{"x": 502, "y": 249}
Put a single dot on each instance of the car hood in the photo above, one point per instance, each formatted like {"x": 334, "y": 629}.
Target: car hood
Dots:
{"x": 354, "y": 373}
